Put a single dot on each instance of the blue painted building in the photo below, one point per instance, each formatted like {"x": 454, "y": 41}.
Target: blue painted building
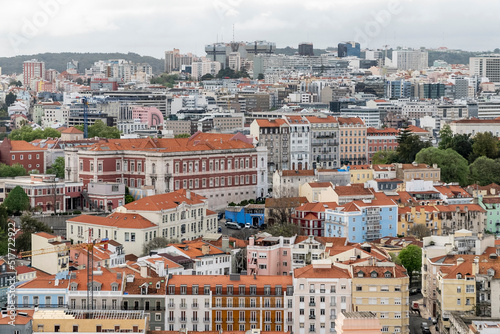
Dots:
{"x": 43, "y": 292}
{"x": 252, "y": 214}
{"x": 361, "y": 221}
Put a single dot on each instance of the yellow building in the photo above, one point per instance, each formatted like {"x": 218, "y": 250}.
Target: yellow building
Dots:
{"x": 456, "y": 290}
{"x": 71, "y": 321}
{"x": 382, "y": 288}
{"x": 426, "y": 215}
{"x": 53, "y": 261}
{"x": 361, "y": 173}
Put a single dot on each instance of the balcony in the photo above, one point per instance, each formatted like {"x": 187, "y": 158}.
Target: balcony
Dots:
{"x": 183, "y": 305}
{"x": 171, "y": 319}
{"x": 312, "y": 316}
{"x": 171, "y": 305}
{"x": 312, "y": 304}
{"x": 194, "y": 305}
{"x": 333, "y": 317}
{"x": 206, "y": 319}
{"x": 230, "y": 320}
{"x": 219, "y": 320}
{"x": 194, "y": 319}
{"x": 182, "y": 319}
{"x": 289, "y": 321}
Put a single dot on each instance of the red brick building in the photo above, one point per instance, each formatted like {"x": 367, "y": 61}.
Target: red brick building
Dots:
{"x": 222, "y": 167}
{"x": 21, "y": 152}
{"x": 311, "y": 217}
{"x": 381, "y": 140}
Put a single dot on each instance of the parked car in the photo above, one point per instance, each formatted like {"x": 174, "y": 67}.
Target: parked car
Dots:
{"x": 248, "y": 225}
{"x": 233, "y": 225}
{"x": 425, "y": 326}
{"x": 413, "y": 291}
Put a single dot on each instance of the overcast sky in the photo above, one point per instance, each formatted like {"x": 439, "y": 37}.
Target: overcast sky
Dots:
{"x": 149, "y": 27}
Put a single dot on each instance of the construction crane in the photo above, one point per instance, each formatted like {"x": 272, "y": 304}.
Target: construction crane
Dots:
{"x": 85, "y": 117}
{"x": 90, "y": 261}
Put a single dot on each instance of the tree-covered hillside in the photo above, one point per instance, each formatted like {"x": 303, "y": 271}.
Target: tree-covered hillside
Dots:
{"x": 58, "y": 61}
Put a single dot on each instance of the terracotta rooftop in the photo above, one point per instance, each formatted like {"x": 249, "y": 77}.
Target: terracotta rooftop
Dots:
{"x": 396, "y": 271}
{"x": 72, "y": 130}
{"x": 134, "y": 288}
{"x": 23, "y": 146}
{"x": 353, "y": 190}
{"x": 316, "y": 119}
{"x": 198, "y": 142}
{"x": 120, "y": 220}
{"x": 303, "y": 172}
{"x": 260, "y": 280}
{"x": 311, "y": 272}
{"x": 350, "y": 121}
{"x": 271, "y": 123}
{"x": 165, "y": 201}
{"x": 320, "y": 184}
{"x": 289, "y": 202}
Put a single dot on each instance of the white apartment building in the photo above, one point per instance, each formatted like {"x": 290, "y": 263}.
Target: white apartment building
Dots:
{"x": 321, "y": 292}
{"x": 300, "y": 142}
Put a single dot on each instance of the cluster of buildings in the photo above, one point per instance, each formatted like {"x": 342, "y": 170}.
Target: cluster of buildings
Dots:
{"x": 319, "y": 283}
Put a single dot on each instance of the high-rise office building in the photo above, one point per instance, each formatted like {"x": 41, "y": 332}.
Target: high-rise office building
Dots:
{"x": 410, "y": 59}
{"x": 306, "y": 49}
{"x": 171, "y": 60}
{"x": 32, "y": 69}
{"x": 486, "y": 66}
{"x": 349, "y": 49}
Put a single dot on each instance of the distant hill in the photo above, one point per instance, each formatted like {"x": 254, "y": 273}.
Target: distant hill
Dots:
{"x": 58, "y": 61}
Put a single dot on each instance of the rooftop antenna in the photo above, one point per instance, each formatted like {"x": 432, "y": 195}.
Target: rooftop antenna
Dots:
{"x": 233, "y": 32}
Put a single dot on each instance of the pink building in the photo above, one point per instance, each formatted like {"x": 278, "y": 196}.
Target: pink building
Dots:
{"x": 149, "y": 115}
{"x": 270, "y": 256}
{"x": 358, "y": 322}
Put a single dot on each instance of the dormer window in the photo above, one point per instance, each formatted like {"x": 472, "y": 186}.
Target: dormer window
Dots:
{"x": 74, "y": 286}
{"x": 114, "y": 286}
{"x": 157, "y": 285}
{"x": 387, "y": 274}
{"x": 361, "y": 274}
{"x": 373, "y": 274}
{"x": 459, "y": 276}
{"x": 144, "y": 289}
{"x": 491, "y": 272}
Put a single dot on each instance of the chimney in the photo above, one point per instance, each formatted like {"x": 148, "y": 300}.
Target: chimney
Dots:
{"x": 251, "y": 241}
{"x": 188, "y": 194}
{"x": 460, "y": 260}
{"x": 475, "y": 266}
{"x": 118, "y": 276}
{"x": 160, "y": 268}
{"x": 225, "y": 243}
{"x": 144, "y": 271}
{"x": 254, "y": 276}
{"x": 205, "y": 249}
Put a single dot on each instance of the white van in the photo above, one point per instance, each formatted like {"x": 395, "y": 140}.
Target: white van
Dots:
{"x": 233, "y": 225}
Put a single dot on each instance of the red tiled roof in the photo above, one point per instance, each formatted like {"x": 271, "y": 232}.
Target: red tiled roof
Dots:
{"x": 24, "y": 270}
{"x": 270, "y": 123}
{"x": 198, "y": 142}
{"x": 350, "y": 120}
{"x": 352, "y": 190}
{"x": 120, "y": 220}
{"x": 320, "y": 184}
{"x": 164, "y": 201}
{"x": 311, "y": 272}
{"x": 23, "y": 146}
{"x": 303, "y": 172}
{"x": 72, "y": 130}
{"x": 260, "y": 280}
{"x": 316, "y": 119}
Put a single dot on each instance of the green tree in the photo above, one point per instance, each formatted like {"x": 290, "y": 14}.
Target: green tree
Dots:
{"x": 485, "y": 145}
{"x": 409, "y": 145}
{"x": 454, "y": 167}
{"x": 446, "y": 137}
{"x": 17, "y": 201}
{"x": 101, "y": 130}
{"x": 158, "y": 242}
{"x": 207, "y": 76}
{"x": 12, "y": 171}
{"x": 385, "y": 157}
{"x": 79, "y": 81}
{"x": 16, "y": 83}
{"x": 128, "y": 198}
{"x": 10, "y": 98}
{"x": 57, "y": 168}
{"x": 283, "y": 229}
{"x": 167, "y": 80}
{"x": 462, "y": 143}
{"x": 29, "y": 225}
{"x": 411, "y": 259}
{"x": 485, "y": 171}
{"x": 260, "y": 76}
{"x": 183, "y": 135}
{"x": 28, "y": 134}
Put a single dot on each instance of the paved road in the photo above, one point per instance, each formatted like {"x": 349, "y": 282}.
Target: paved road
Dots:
{"x": 416, "y": 317}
